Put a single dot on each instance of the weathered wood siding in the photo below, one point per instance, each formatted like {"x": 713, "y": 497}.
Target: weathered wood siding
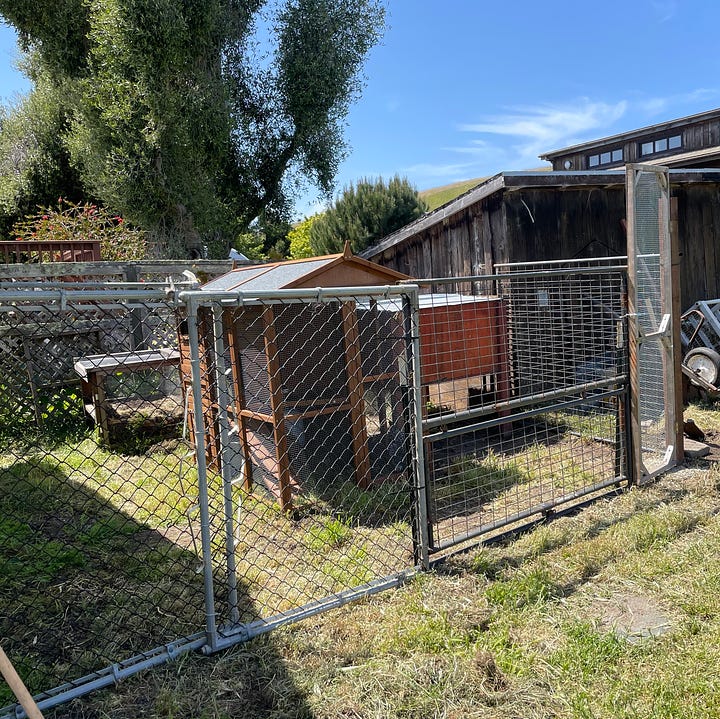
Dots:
{"x": 699, "y": 236}
{"x": 535, "y": 224}
{"x": 515, "y": 226}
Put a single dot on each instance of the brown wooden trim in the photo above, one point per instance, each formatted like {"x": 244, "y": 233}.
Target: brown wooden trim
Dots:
{"x": 358, "y": 429}
{"x": 278, "y": 411}
{"x": 675, "y": 309}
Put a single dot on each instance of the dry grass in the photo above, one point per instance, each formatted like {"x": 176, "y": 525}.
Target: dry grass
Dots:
{"x": 537, "y": 627}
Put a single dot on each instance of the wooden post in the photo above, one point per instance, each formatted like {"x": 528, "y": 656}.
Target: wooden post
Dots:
{"x": 239, "y": 391}
{"x": 353, "y": 363}
{"x": 278, "y": 411}
{"x": 676, "y": 309}
{"x": 18, "y": 688}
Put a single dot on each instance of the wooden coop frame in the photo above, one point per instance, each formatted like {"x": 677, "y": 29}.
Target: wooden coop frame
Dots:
{"x": 450, "y": 326}
{"x": 340, "y": 270}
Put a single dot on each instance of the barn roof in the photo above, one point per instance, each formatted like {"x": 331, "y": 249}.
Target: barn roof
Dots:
{"x": 513, "y": 181}
{"x": 633, "y": 134}
{"x": 329, "y": 270}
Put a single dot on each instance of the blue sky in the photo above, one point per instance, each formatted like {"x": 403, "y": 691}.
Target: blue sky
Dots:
{"x": 467, "y": 88}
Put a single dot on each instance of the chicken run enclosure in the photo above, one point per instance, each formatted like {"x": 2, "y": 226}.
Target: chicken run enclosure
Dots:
{"x": 271, "y": 454}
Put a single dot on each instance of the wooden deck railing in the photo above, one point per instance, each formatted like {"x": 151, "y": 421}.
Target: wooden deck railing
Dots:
{"x": 27, "y": 251}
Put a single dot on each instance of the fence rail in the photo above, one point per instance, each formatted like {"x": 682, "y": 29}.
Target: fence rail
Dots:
{"x": 29, "y": 251}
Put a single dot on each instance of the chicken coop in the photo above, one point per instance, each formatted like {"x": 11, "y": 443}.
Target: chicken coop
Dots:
{"x": 315, "y": 388}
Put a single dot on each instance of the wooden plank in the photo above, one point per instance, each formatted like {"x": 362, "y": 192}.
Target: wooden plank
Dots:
{"x": 358, "y": 428}
{"x": 675, "y": 309}
{"x": 18, "y": 687}
{"x": 278, "y": 411}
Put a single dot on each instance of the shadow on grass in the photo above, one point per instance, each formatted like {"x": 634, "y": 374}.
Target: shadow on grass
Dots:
{"x": 83, "y": 584}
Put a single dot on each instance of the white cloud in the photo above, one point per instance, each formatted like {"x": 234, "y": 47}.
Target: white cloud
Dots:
{"x": 547, "y": 127}
{"x": 655, "y": 106}
{"x": 441, "y": 170}
{"x": 665, "y": 10}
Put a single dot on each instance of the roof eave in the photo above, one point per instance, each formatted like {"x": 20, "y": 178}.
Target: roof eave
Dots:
{"x": 632, "y": 134}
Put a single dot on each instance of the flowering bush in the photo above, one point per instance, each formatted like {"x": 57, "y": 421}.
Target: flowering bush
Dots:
{"x": 84, "y": 221}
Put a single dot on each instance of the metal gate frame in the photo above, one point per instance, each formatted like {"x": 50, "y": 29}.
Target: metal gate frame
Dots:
{"x": 525, "y": 407}
{"x": 653, "y": 328}
{"x": 221, "y": 634}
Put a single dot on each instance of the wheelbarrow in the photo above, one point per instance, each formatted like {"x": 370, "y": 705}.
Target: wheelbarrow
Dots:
{"x": 700, "y": 338}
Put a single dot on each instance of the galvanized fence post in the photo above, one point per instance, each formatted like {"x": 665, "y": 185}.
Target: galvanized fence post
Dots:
{"x": 412, "y": 312}
{"x": 224, "y": 400}
{"x": 201, "y": 460}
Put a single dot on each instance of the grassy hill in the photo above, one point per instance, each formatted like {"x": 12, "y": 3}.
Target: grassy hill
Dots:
{"x": 437, "y": 196}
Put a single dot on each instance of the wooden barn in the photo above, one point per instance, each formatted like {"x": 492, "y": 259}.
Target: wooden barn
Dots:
{"x": 534, "y": 216}
{"x": 574, "y": 210}
{"x": 688, "y": 142}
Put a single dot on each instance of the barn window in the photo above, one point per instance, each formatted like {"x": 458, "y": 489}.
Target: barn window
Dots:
{"x": 605, "y": 158}
{"x": 662, "y": 144}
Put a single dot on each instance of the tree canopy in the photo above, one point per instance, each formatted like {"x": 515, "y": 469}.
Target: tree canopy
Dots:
{"x": 365, "y": 213}
{"x": 191, "y": 118}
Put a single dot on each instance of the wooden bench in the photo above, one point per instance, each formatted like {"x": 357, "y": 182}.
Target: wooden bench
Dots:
{"x": 95, "y": 369}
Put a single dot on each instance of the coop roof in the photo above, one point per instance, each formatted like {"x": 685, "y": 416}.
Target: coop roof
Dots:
{"x": 340, "y": 270}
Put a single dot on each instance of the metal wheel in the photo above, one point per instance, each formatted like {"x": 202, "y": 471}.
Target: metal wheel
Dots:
{"x": 705, "y": 363}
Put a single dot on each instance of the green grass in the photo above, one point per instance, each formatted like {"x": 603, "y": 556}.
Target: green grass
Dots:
{"x": 561, "y": 622}
{"x": 517, "y": 629}
{"x": 437, "y": 196}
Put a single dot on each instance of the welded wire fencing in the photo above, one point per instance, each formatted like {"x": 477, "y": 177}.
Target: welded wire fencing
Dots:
{"x": 525, "y": 388}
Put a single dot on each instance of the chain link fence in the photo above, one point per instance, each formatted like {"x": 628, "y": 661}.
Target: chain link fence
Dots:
{"x": 136, "y": 527}
{"x": 184, "y": 471}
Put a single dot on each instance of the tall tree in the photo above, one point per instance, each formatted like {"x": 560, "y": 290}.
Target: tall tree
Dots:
{"x": 365, "y": 213}
{"x": 191, "y": 117}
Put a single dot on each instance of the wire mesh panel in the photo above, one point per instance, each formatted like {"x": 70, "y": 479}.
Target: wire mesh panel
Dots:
{"x": 525, "y": 392}
{"x": 98, "y": 558}
{"x": 651, "y": 318}
{"x": 308, "y": 429}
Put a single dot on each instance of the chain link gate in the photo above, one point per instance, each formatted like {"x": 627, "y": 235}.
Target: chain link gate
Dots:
{"x": 253, "y": 461}
{"x": 306, "y": 406}
{"x": 525, "y": 388}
